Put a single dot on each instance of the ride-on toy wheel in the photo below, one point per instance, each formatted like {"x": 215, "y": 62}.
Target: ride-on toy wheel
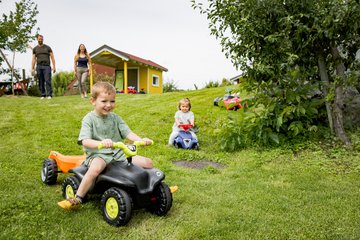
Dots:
{"x": 116, "y": 206}
{"x": 70, "y": 187}
{"x": 161, "y": 201}
{"x": 49, "y": 172}
{"x": 197, "y": 147}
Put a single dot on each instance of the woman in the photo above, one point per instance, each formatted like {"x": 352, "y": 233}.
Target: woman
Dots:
{"x": 82, "y": 62}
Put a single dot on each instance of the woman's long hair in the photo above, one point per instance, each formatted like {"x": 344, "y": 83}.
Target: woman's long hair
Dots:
{"x": 85, "y": 52}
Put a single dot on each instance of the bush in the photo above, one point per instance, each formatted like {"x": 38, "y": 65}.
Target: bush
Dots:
{"x": 101, "y": 77}
{"x": 225, "y": 82}
{"x": 212, "y": 84}
{"x": 34, "y": 91}
{"x": 60, "y": 82}
{"x": 170, "y": 86}
{"x": 275, "y": 118}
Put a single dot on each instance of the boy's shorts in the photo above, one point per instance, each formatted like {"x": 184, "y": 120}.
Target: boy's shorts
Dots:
{"x": 108, "y": 158}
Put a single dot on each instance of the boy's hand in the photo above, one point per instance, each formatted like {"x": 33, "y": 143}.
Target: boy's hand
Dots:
{"x": 147, "y": 141}
{"x": 107, "y": 143}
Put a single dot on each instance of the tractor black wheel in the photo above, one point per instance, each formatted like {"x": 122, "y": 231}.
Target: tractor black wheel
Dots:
{"x": 49, "y": 172}
{"x": 70, "y": 186}
{"x": 116, "y": 206}
{"x": 161, "y": 200}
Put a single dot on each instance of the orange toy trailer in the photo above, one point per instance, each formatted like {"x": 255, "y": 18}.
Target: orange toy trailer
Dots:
{"x": 58, "y": 163}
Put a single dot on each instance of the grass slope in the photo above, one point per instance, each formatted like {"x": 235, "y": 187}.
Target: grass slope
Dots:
{"x": 272, "y": 194}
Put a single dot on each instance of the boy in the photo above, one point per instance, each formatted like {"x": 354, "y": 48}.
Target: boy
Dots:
{"x": 103, "y": 126}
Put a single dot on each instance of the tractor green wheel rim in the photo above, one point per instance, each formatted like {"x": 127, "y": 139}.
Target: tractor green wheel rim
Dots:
{"x": 69, "y": 192}
{"x": 112, "y": 207}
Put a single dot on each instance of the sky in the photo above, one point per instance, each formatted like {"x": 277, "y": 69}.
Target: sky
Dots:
{"x": 168, "y": 32}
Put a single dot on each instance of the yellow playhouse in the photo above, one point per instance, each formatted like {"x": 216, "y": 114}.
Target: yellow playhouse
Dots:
{"x": 131, "y": 72}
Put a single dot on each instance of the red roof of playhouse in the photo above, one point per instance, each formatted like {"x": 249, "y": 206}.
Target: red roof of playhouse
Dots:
{"x": 96, "y": 55}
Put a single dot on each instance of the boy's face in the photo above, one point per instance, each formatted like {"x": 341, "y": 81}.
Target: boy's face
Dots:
{"x": 104, "y": 103}
{"x": 184, "y": 107}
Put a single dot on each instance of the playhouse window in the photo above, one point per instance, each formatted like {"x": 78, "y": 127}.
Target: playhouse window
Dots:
{"x": 155, "y": 80}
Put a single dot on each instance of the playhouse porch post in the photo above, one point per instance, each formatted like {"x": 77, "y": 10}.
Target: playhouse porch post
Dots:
{"x": 125, "y": 78}
{"x": 91, "y": 78}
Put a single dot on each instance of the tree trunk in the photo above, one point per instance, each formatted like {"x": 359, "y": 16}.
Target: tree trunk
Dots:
{"x": 338, "y": 105}
{"x": 325, "y": 84}
{"x": 12, "y": 73}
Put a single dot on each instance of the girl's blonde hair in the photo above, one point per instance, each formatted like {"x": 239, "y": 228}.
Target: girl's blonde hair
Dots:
{"x": 100, "y": 87}
{"x": 185, "y": 101}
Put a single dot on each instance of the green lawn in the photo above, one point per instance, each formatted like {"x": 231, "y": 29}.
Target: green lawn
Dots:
{"x": 272, "y": 194}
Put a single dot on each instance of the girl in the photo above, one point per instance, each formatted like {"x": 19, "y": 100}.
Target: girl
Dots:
{"x": 182, "y": 116}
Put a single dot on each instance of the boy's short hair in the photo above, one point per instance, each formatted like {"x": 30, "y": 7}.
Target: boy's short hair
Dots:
{"x": 185, "y": 100}
{"x": 102, "y": 87}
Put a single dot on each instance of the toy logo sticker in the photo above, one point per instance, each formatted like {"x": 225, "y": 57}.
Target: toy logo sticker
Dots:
{"x": 132, "y": 148}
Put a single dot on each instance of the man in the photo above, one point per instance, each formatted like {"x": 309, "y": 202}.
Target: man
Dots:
{"x": 41, "y": 55}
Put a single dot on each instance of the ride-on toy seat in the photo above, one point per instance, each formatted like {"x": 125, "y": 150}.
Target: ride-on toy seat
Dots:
{"x": 124, "y": 187}
{"x": 185, "y": 139}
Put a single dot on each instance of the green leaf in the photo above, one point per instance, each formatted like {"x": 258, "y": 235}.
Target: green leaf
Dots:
{"x": 274, "y": 137}
{"x": 279, "y": 122}
{"x": 302, "y": 110}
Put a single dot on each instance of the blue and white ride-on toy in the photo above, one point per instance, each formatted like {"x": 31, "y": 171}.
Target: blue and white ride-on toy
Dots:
{"x": 185, "y": 139}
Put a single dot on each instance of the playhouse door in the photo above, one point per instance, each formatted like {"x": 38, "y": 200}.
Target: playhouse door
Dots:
{"x": 119, "y": 80}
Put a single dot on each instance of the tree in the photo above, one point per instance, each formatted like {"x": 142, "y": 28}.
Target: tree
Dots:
{"x": 288, "y": 49}
{"x": 16, "y": 30}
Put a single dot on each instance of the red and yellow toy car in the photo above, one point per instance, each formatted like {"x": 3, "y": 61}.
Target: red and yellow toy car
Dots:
{"x": 228, "y": 101}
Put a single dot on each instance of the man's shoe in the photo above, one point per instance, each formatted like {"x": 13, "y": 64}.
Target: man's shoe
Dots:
{"x": 42, "y": 98}
{"x": 49, "y": 97}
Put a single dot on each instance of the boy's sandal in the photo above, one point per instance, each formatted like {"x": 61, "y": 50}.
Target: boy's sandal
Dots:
{"x": 70, "y": 203}
{"x": 173, "y": 189}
